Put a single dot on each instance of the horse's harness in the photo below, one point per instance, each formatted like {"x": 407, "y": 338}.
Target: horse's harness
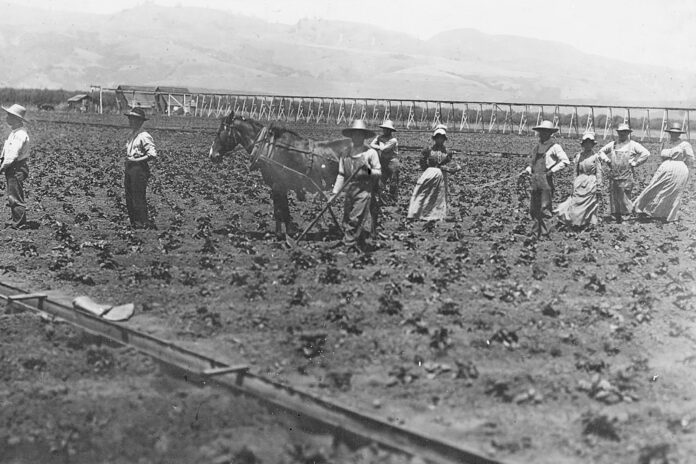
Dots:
{"x": 266, "y": 137}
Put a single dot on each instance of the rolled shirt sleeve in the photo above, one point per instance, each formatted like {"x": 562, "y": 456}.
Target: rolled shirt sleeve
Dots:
{"x": 689, "y": 158}
{"x": 561, "y": 158}
{"x": 142, "y": 148}
{"x": 639, "y": 154}
{"x": 148, "y": 145}
{"x": 340, "y": 178}
{"x": 373, "y": 163}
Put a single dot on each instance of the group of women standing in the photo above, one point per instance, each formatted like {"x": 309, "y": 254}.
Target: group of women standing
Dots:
{"x": 615, "y": 162}
{"x": 659, "y": 200}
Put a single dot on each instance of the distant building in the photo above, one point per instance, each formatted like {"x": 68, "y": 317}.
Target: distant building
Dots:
{"x": 80, "y": 102}
{"x": 136, "y": 96}
{"x": 174, "y": 100}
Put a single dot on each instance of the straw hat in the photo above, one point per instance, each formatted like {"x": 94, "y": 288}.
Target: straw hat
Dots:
{"x": 16, "y": 110}
{"x": 588, "y": 136}
{"x": 388, "y": 124}
{"x": 676, "y": 128}
{"x": 623, "y": 127}
{"x": 358, "y": 126}
{"x": 136, "y": 113}
{"x": 545, "y": 126}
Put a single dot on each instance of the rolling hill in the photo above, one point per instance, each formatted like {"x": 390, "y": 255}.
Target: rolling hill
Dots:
{"x": 204, "y": 48}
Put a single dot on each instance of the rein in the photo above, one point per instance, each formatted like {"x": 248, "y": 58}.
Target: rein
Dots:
{"x": 261, "y": 138}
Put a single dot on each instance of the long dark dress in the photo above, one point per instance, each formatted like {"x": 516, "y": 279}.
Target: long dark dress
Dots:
{"x": 429, "y": 198}
{"x": 580, "y": 209}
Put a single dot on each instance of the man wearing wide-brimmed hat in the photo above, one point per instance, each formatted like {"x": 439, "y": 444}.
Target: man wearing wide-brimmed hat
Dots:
{"x": 624, "y": 155}
{"x": 388, "y": 149}
{"x": 140, "y": 149}
{"x": 661, "y": 198}
{"x": 547, "y": 158}
{"x": 15, "y": 164}
{"x": 363, "y": 168}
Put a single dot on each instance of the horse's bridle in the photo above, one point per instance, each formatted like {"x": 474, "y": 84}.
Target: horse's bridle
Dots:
{"x": 231, "y": 132}
{"x": 264, "y": 136}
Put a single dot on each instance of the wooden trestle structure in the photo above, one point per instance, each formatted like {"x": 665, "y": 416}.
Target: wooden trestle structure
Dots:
{"x": 463, "y": 116}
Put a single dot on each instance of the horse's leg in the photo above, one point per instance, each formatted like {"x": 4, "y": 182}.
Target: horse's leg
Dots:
{"x": 281, "y": 211}
{"x": 290, "y": 228}
{"x": 277, "y": 213}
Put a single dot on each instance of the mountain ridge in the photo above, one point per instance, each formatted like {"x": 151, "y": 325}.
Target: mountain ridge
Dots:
{"x": 206, "y": 48}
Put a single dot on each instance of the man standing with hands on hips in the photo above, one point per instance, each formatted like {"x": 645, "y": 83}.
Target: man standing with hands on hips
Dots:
{"x": 546, "y": 158}
{"x": 15, "y": 164}
{"x": 139, "y": 150}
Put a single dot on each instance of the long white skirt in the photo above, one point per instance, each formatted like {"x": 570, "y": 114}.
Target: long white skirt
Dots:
{"x": 429, "y": 198}
{"x": 661, "y": 198}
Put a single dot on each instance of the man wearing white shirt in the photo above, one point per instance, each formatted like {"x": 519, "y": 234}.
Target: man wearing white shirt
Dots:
{"x": 624, "y": 155}
{"x": 15, "y": 157}
{"x": 139, "y": 150}
{"x": 546, "y": 158}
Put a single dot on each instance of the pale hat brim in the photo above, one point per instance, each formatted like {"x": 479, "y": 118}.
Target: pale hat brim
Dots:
{"x": 9, "y": 111}
{"x": 675, "y": 130}
{"x": 348, "y": 132}
{"x": 544, "y": 128}
{"x": 131, "y": 114}
{"x": 391, "y": 128}
{"x": 437, "y": 132}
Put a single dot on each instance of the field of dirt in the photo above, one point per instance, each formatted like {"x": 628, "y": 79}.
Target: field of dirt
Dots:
{"x": 579, "y": 349}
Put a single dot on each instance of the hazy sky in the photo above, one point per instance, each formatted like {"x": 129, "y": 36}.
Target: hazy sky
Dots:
{"x": 646, "y": 31}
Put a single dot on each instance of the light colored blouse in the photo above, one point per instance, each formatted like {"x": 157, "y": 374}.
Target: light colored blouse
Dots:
{"x": 589, "y": 165}
{"x": 679, "y": 151}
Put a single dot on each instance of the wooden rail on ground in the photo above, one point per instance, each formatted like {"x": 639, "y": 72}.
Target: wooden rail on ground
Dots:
{"x": 346, "y": 424}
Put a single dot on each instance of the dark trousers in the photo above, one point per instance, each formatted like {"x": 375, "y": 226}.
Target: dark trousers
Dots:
{"x": 540, "y": 209}
{"x": 15, "y": 176}
{"x": 390, "y": 176}
{"x": 358, "y": 209}
{"x": 135, "y": 183}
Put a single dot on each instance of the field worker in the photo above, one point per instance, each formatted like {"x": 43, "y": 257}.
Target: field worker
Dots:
{"x": 429, "y": 197}
{"x": 546, "y": 158}
{"x": 624, "y": 155}
{"x": 363, "y": 168}
{"x": 139, "y": 150}
{"x": 580, "y": 209}
{"x": 661, "y": 198}
{"x": 15, "y": 164}
{"x": 388, "y": 149}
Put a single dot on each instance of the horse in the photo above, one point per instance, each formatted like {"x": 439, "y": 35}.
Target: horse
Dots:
{"x": 287, "y": 161}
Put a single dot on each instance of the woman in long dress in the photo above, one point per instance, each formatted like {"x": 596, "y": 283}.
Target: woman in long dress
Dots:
{"x": 661, "y": 198}
{"x": 429, "y": 198}
{"x": 580, "y": 209}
